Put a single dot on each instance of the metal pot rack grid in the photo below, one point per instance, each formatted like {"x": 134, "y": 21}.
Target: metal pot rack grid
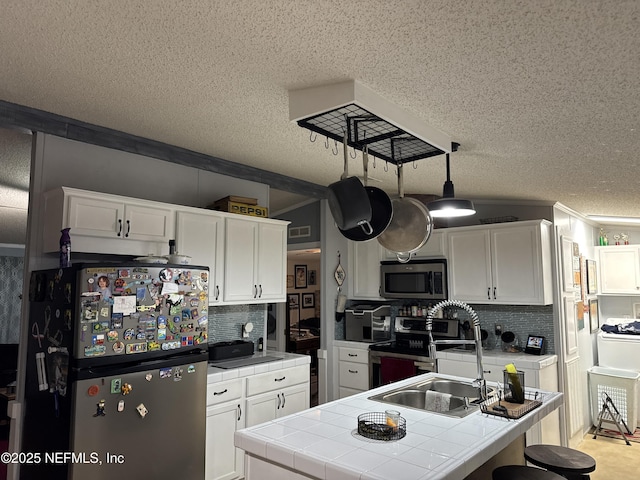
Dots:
{"x": 383, "y": 139}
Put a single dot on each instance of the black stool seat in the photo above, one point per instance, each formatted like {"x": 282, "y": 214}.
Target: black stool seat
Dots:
{"x": 521, "y": 472}
{"x": 565, "y": 461}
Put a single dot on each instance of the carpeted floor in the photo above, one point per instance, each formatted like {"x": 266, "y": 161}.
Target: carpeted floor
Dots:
{"x": 614, "y": 458}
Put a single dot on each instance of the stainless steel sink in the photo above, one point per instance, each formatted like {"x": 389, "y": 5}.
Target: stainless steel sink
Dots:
{"x": 465, "y": 397}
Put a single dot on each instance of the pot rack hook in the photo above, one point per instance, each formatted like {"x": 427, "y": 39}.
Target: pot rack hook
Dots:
{"x": 313, "y": 136}
{"x": 353, "y": 149}
{"x": 335, "y": 151}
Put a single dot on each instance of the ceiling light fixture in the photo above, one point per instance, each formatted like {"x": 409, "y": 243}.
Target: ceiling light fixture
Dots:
{"x": 448, "y": 206}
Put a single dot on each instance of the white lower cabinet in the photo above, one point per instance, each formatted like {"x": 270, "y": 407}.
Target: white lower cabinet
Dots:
{"x": 353, "y": 371}
{"x": 272, "y": 405}
{"x": 245, "y": 402}
{"x": 276, "y": 394}
{"x": 225, "y": 415}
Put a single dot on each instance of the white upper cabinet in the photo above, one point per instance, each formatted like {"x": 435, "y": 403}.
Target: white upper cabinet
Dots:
{"x": 363, "y": 274}
{"x": 97, "y": 219}
{"x": 200, "y": 235}
{"x": 506, "y": 263}
{"x": 255, "y": 260}
{"x": 619, "y": 269}
{"x": 436, "y": 247}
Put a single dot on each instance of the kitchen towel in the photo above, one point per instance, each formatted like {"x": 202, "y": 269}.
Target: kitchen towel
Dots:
{"x": 436, "y": 401}
{"x": 394, "y": 369}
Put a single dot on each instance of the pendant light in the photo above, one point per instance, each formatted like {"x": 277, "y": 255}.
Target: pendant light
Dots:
{"x": 448, "y": 206}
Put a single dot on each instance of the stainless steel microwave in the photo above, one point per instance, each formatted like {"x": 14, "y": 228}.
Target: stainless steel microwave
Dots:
{"x": 423, "y": 279}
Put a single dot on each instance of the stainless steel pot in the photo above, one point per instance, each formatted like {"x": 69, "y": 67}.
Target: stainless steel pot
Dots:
{"x": 411, "y": 225}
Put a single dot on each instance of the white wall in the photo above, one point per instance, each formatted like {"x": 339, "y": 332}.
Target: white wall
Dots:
{"x": 573, "y": 367}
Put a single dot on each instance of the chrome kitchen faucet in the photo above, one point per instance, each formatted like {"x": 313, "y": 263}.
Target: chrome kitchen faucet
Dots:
{"x": 476, "y": 334}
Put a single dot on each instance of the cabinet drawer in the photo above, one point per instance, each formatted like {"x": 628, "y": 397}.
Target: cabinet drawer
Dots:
{"x": 354, "y": 375}
{"x": 354, "y": 355}
{"x": 266, "y": 382}
{"x": 224, "y": 391}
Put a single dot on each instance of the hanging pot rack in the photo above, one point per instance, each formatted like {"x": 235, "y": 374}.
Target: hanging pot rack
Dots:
{"x": 390, "y": 133}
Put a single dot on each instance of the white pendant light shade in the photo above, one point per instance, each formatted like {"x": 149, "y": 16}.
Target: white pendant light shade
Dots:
{"x": 448, "y": 206}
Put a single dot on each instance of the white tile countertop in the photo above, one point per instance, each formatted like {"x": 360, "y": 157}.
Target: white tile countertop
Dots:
{"x": 277, "y": 361}
{"x": 323, "y": 443}
{"x": 498, "y": 357}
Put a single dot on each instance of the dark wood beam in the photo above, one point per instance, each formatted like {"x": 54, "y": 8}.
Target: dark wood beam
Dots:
{"x": 13, "y": 115}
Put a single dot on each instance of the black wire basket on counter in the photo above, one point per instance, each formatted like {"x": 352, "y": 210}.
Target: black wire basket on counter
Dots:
{"x": 377, "y": 426}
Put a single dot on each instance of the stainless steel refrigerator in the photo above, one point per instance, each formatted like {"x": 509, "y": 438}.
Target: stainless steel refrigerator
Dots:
{"x": 117, "y": 372}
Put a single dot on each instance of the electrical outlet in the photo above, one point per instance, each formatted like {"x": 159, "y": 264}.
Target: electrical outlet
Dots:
{"x": 498, "y": 329}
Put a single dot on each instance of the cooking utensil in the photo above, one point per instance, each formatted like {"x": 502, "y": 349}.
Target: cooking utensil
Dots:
{"x": 381, "y": 208}
{"x": 348, "y": 200}
{"x": 410, "y": 227}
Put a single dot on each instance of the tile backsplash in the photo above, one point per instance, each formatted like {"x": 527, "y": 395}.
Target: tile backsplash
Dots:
{"x": 225, "y": 322}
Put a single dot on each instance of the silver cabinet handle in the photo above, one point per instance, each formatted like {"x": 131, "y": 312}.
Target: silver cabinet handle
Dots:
{"x": 119, "y": 226}
{"x": 220, "y": 393}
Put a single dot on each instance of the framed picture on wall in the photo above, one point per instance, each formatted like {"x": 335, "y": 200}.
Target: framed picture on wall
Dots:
{"x": 593, "y": 315}
{"x": 308, "y": 300}
{"x": 592, "y": 281}
{"x": 300, "y": 276}
{"x": 289, "y": 281}
{"x": 294, "y": 301}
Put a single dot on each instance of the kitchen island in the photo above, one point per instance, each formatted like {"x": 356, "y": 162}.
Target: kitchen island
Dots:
{"x": 323, "y": 443}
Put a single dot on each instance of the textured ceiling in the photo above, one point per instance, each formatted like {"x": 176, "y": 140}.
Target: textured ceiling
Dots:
{"x": 542, "y": 94}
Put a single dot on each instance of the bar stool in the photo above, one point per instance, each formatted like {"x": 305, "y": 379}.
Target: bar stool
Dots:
{"x": 522, "y": 472}
{"x": 564, "y": 461}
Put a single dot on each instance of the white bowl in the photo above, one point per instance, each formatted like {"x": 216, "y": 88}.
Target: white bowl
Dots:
{"x": 151, "y": 259}
{"x": 179, "y": 259}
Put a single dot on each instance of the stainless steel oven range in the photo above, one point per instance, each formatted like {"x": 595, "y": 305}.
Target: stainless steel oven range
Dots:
{"x": 411, "y": 342}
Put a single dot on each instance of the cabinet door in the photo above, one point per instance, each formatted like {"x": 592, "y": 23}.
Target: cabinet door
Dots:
{"x": 201, "y": 236}
{"x": 619, "y": 270}
{"x": 261, "y": 408}
{"x": 516, "y": 265}
{"x": 96, "y": 217}
{"x": 436, "y": 247}
{"x": 223, "y": 460}
{"x": 470, "y": 266}
{"x": 294, "y": 399}
{"x": 364, "y": 269}
{"x": 272, "y": 262}
{"x": 240, "y": 260}
{"x": 153, "y": 224}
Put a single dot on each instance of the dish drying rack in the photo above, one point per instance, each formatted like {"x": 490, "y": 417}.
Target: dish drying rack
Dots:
{"x": 513, "y": 411}
{"x": 374, "y": 425}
